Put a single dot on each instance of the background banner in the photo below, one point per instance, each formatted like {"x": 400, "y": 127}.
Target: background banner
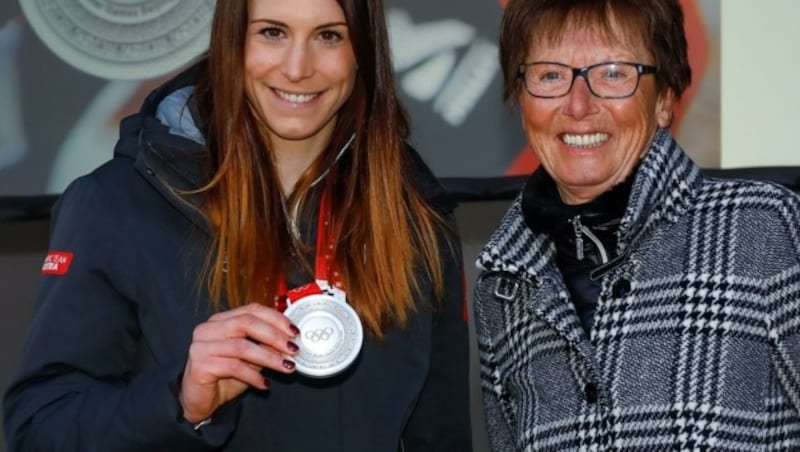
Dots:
{"x": 71, "y": 69}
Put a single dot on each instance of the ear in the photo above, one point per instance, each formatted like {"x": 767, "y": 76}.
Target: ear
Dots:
{"x": 665, "y": 108}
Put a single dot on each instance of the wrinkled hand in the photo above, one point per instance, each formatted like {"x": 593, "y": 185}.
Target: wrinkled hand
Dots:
{"x": 228, "y": 353}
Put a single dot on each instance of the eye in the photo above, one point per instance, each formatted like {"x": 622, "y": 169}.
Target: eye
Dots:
{"x": 272, "y": 33}
{"x": 550, "y": 76}
{"x": 330, "y": 36}
{"x": 615, "y": 73}
{"x": 546, "y": 74}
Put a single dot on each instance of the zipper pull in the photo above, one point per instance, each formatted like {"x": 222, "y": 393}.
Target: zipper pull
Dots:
{"x": 578, "y": 228}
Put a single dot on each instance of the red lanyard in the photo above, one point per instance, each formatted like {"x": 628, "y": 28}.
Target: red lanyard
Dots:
{"x": 326, "y": 278}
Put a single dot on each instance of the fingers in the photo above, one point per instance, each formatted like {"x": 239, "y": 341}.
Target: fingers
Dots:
{"x": 210, "y": 381}
{"x": 268, "y": 315}
{"x": 240, "y": 353}
{"x": 209, "y": 370}
{"x": 263, "y": 325}
{"x": 255, "y": 334}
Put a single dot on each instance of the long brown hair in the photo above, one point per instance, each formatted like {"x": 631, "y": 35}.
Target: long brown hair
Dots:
{"x": 384, "y": 232}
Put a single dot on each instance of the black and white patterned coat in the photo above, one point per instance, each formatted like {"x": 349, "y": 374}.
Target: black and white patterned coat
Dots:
{"x": 696, "y": 340}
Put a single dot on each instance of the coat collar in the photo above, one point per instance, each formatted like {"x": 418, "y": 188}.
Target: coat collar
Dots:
{"x": 662, "y": 189}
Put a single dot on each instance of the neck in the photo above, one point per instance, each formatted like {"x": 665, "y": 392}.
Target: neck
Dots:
{"x": 294, "y": 157}
{"x": 291, "y": 163}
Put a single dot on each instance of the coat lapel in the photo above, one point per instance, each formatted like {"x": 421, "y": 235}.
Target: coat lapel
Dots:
{"x": 526, "y": 265}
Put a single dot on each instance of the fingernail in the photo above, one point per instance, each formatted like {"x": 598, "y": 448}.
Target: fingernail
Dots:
{"x": 266, "y": 383}
{"x": 288, "y": 364}
{"x": 292, "y": 346}
{"x": 295, "y": 330}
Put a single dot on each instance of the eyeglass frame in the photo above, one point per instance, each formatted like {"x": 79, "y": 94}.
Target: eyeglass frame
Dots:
{"x": 641, "y": 69}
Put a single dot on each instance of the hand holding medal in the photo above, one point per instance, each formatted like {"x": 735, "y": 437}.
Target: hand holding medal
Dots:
{"x": 229, "y": 351}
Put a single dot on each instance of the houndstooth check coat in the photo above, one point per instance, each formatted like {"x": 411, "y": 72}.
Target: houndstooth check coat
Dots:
{"x": 696, "y": 339}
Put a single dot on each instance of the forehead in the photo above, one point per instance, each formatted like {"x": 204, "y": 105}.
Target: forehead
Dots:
{"x": 589, "y": 39}
{"x": 299, "y": 10}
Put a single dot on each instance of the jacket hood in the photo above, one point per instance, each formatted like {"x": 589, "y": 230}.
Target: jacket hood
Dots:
{"x": 663, "y": 187}
{"x": 166, "y": 128}
{"x": 166, "y": 145}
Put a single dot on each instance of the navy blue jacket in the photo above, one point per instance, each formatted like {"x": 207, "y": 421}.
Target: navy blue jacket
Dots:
{"x": 109, "y": 339}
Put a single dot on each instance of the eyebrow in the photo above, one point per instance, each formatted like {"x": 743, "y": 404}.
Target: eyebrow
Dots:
{"x": 282, "y": 24}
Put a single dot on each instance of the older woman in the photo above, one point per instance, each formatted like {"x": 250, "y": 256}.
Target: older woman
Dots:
{"x": 626, "y": 302}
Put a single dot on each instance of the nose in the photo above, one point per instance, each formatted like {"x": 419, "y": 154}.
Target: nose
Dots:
{"x": 297, "y": 62}
{"x": 580, "y": 100}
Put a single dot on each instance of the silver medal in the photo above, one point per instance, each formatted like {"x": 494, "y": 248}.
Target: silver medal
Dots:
{"x": 330, "y": 334}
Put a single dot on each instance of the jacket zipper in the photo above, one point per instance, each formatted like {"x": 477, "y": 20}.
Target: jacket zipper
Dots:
{"x": 598, "y": 272}
{"x": 577, "y": 228}
{"x": 580, "y": 231}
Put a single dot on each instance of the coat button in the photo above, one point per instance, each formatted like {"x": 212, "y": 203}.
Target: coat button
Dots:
{"x": 621, "y": 288}
{"x": 590, "y": 392}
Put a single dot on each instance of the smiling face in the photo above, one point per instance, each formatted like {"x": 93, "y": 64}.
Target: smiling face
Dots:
{"x": 588, "y": 144}
{"x": 299, "y": 68}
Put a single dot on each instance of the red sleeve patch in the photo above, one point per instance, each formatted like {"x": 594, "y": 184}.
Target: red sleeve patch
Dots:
{"x": 57, "y": 263}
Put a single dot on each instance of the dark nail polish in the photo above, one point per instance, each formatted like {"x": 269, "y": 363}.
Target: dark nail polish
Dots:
{"x": 266, "y": 383}
{"x": 292, "y": 346}
{"x": 288, "y": 364}
{"x": 295, "y": 330}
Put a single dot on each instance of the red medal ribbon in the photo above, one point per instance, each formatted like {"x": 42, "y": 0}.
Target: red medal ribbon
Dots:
{"x": 323, "y": 263}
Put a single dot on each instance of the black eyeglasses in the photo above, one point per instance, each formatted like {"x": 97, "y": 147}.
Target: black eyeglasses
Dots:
{"x": 609, "y": 80}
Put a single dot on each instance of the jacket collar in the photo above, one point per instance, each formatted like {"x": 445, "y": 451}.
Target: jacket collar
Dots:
{"x": 663, "y": 187}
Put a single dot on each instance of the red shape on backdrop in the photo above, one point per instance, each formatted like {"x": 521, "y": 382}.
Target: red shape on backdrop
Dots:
{"x": 697, "y": 37}
{"x": 524, "y": 163}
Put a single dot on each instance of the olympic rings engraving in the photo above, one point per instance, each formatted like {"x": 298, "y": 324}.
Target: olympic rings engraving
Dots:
{"x": 319, "y": 334}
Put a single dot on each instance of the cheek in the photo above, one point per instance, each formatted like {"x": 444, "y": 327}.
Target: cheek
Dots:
{"x": 350, "y": 82}
{"x": 251, "y": 72}
{"x": 260, "y": 58}
{"x": 250, "y": 81}
{"x": 632, "y": 120}
{"x": 527, "y": 115}
{"x": 536, "y": 120}
{"x": 343, "y": 69}
{"x": 345, "y": 77}
{"x": 644, "y": 109}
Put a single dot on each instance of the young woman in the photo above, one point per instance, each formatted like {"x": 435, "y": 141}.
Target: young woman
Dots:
{"x": 263, "y": 265}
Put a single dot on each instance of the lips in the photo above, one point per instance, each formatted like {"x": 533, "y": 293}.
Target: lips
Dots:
{"x": 586, "y": 140}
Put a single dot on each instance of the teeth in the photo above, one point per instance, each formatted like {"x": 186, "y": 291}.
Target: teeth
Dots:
{"x": 585, "y": 141}
{"x": 295, "y": 98}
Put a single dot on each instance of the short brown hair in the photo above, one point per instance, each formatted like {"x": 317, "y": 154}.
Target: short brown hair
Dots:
{"x": 659, "y": 23}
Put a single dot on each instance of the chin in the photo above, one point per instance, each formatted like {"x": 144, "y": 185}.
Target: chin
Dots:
{"x": 586, "y": 182}
{"x": 578, "y": 177}
{"x": 296, "y": 134}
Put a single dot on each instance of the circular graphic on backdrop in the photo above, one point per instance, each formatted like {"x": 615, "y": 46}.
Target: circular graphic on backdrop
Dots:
{"x": 122, "y": 39}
